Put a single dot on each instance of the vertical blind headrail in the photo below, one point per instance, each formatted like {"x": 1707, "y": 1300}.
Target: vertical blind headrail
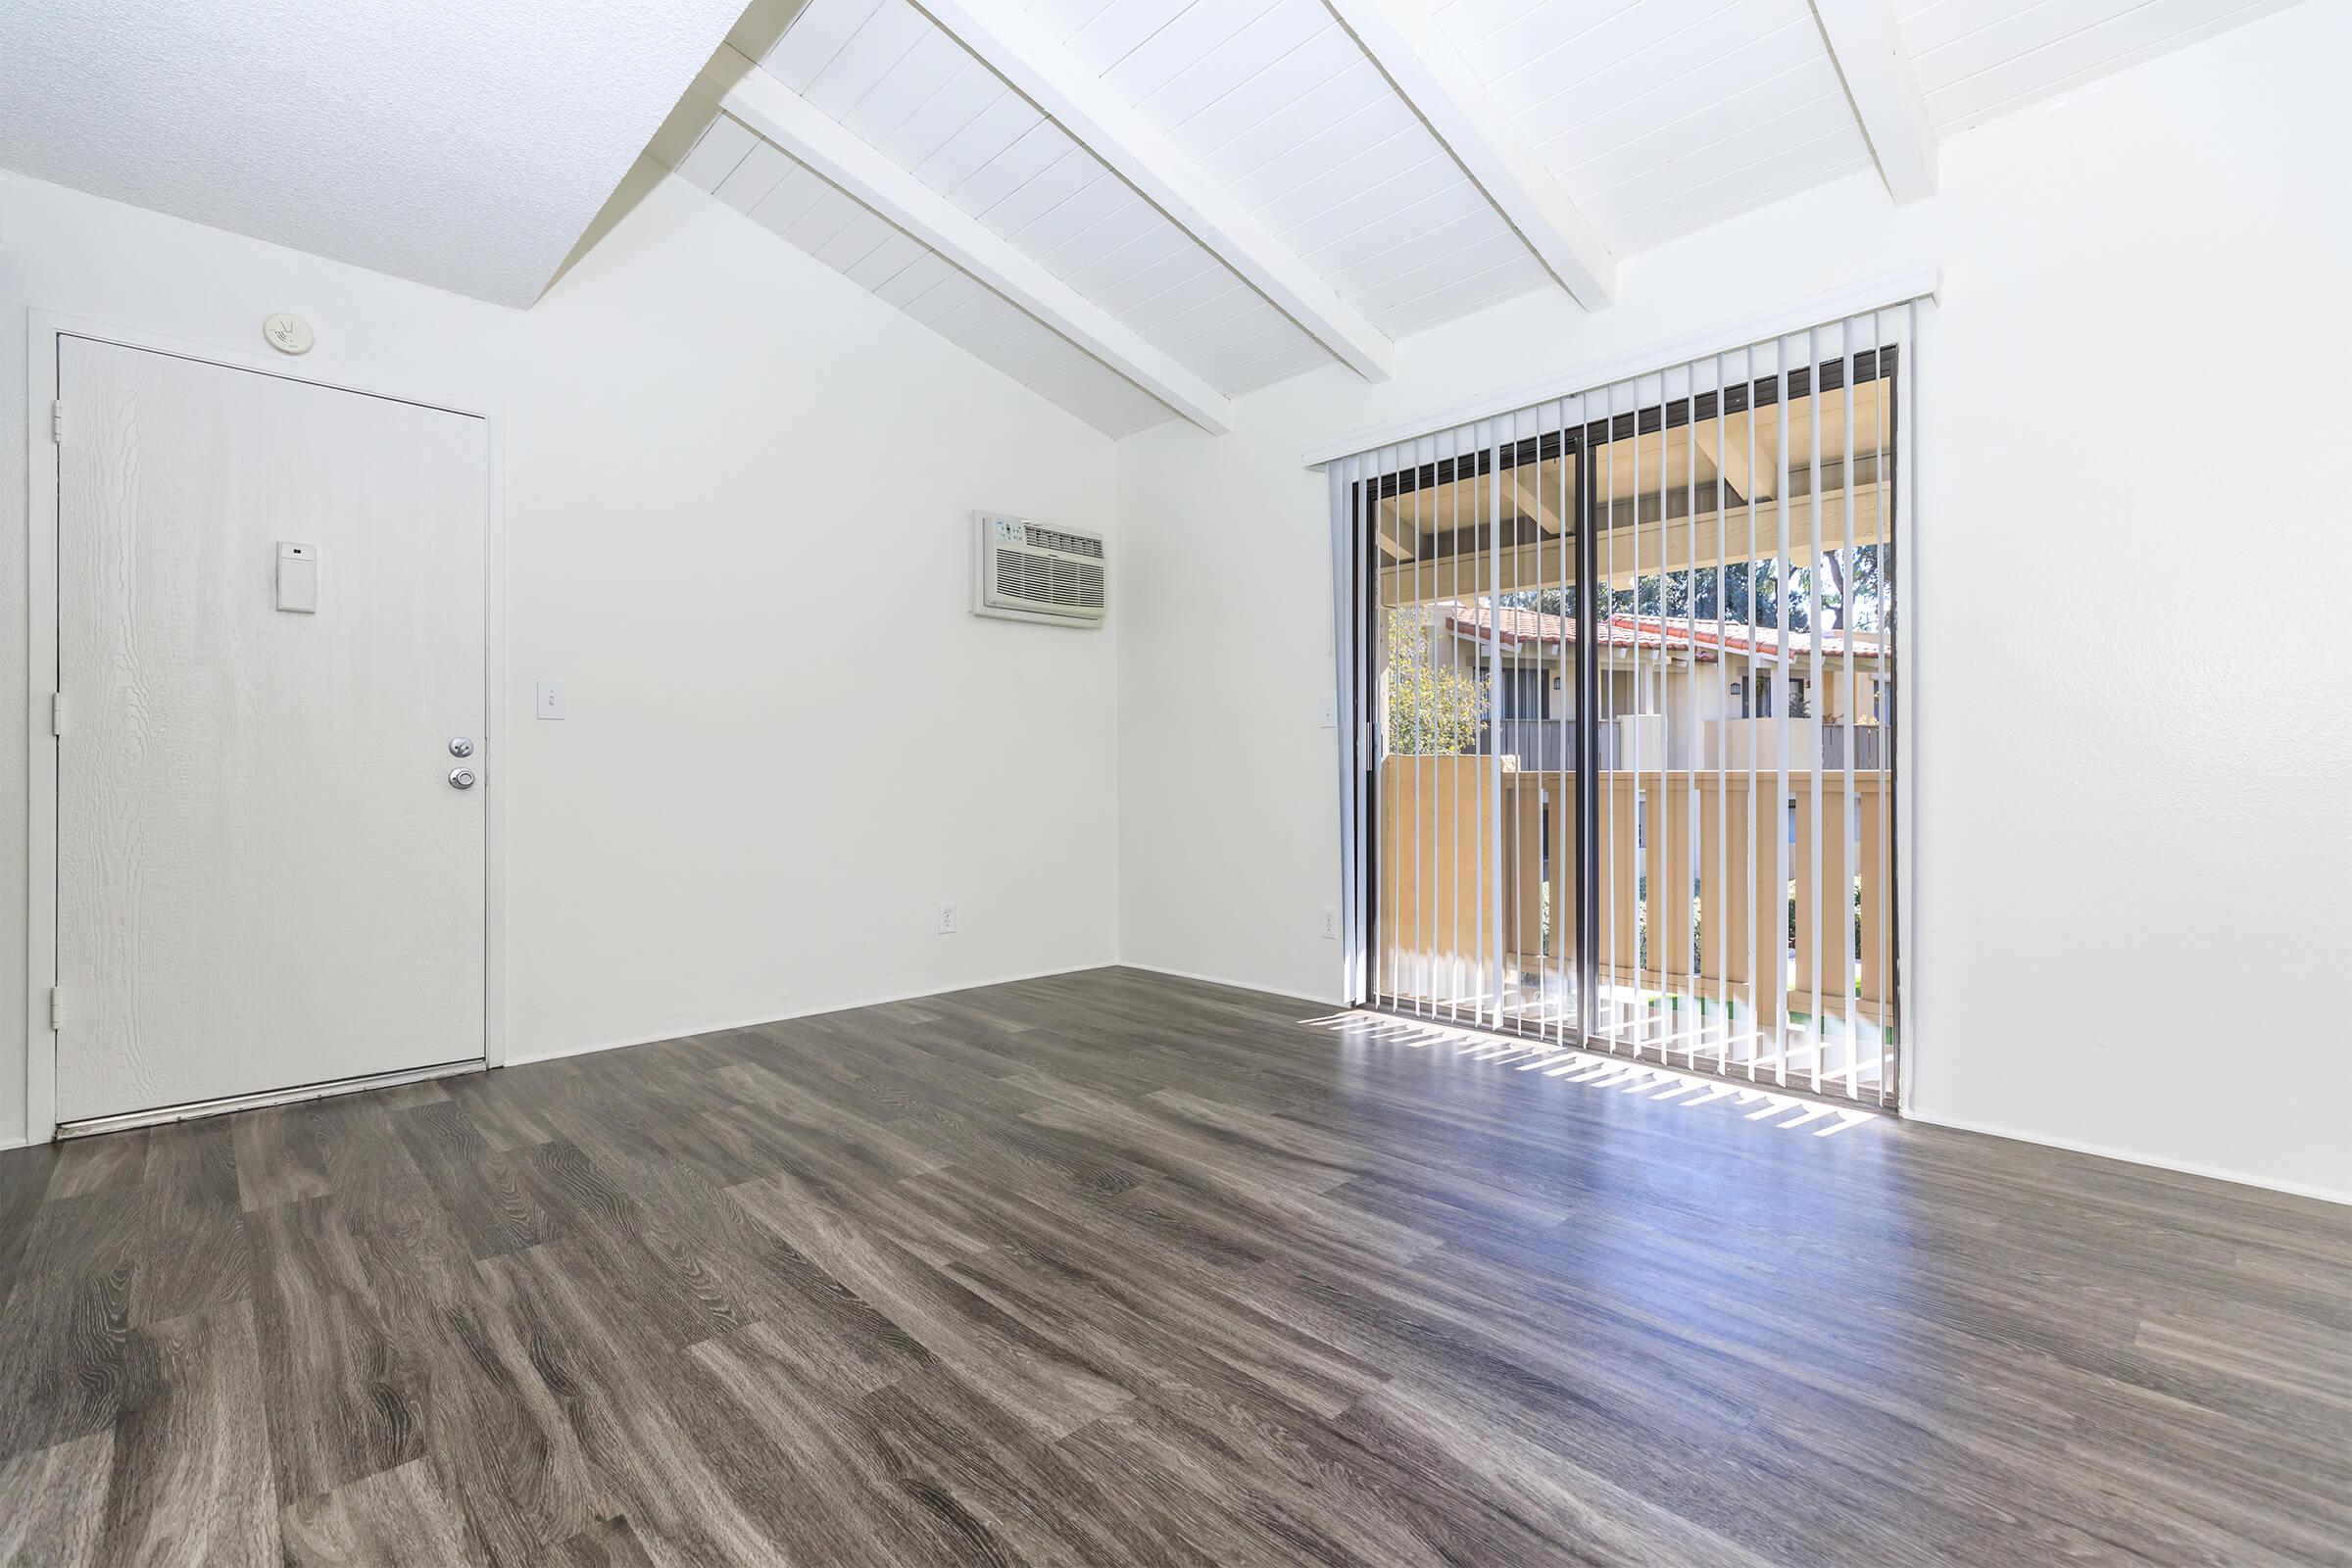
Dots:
{"x": 1674, "y": 413}
{"x": 1891, "y": 291}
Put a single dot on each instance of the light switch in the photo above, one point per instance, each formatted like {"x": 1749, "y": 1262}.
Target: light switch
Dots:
{"x": 297, "y": 577}
{"x": 551, "y": 699}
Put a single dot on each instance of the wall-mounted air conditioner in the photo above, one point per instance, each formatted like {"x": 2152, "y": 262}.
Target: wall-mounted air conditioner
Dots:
{"x": 1024, "y": 570}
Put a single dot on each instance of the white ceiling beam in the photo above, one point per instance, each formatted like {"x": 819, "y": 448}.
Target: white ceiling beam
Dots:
{"x": 774, "y": 111}
{"x": 1729, "y": 457}
{"x": 1527, "y": 493}
{"x": 1867, "y": 46}
{"x": 1041, "y": 69}
{"x": 1422, "y": 64}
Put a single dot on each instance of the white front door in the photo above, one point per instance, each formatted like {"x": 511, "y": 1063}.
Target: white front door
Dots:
{"x": 265, "y": 877}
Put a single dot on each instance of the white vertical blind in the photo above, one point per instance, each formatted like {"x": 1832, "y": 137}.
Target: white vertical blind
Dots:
{"x": 1618, "y": 685}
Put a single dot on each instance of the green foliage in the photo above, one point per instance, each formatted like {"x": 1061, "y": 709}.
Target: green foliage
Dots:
{"x": 1852, "y": 589}
{"x": 1435, "y": 708}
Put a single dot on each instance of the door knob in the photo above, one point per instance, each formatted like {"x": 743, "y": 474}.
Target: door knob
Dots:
{"x": 461, "y": 747}
{"x": 460, "y": 778}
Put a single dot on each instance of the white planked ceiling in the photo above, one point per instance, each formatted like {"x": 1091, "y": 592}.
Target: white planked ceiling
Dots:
{"x": 883, "y": 70}
{"x": 1661, "y": 117}
{"x": 1273, "y": 100}
{"x": 467, "y": 145}
{"x": 1654, "y": 117}
{"x": 754, "y": 177}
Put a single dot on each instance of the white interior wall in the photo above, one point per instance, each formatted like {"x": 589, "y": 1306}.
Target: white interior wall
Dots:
{"x": 2129, "y": 855}
{"x": 2132, "y": 847}
{"x": 736, "y": 496}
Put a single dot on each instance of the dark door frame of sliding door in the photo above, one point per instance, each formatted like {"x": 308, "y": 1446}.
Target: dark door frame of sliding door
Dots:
{"x": 1582, "y": 755}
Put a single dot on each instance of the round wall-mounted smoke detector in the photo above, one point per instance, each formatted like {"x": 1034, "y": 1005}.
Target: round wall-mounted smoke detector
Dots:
{"x": 289, "y": 333}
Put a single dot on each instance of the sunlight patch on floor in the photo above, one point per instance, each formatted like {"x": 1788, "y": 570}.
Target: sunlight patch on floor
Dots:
{"x": 1688, "y": 1090}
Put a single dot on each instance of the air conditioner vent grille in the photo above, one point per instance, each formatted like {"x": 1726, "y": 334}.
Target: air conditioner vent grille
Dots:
{"x": 1029, "y": 571}
{"x": 1070, "y": 544}
{"x": 1048, "y": 579}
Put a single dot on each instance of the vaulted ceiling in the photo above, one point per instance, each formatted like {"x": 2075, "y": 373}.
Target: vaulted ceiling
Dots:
{"x": 463, "y": 143}
{"x": 1144, "y": 209}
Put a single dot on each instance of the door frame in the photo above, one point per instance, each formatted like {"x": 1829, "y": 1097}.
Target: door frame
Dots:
{"x": 1360, "y": 770}
{"x": 43, "y": 330}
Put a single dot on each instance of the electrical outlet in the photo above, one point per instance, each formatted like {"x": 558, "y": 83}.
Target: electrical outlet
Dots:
{"x": 947, "y": 920}
{"x": 1331, "y": 923}
{"x": 1331, "y": 712}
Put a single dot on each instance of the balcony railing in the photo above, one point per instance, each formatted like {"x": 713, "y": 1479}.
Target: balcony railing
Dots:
{"x": 1648, "y": 742}
{"x": 1867, "y": 740}
{"x": 1541, "y": 744}
{"x": 1463, "y": 846}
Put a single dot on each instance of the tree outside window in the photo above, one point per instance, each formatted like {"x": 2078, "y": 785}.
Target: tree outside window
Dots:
{"x": 1435, "y": 706}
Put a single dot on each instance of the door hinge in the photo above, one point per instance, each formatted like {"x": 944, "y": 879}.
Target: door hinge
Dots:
{"x": 57, "y": 1006}
{"x": 57, "y": 420}
{"x": 57, "y": 712}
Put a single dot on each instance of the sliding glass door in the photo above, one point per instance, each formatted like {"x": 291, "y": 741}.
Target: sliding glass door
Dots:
{"x": 1624, "y": 669}
{"x": 1472, "y": 691}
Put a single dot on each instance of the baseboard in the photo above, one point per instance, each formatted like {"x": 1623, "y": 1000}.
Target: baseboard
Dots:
{"x": 2130, "y": 1157}
{"x": 589, "y": 1049}
{"x": 1228, "y": 981}
{"x": 12, "y": 1143}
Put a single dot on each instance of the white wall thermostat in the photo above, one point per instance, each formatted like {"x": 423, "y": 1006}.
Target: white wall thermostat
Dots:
{"x": 297, "y": 577}
{"x": 289, "y": 333}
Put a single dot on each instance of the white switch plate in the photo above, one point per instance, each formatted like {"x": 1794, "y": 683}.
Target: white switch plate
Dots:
{"x": 947, "y": 920}
{"x": 1331, "y": 712}
{"x": 550, "y": 702}
{"x": 1331, "y": 922}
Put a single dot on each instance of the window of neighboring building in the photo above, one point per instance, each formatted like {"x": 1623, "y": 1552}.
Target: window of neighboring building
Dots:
{"x": 1524, "y": 694}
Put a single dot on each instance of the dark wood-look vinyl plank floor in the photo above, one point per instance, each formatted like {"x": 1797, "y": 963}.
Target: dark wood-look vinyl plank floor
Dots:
{"x": 1120, "y": 1268}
